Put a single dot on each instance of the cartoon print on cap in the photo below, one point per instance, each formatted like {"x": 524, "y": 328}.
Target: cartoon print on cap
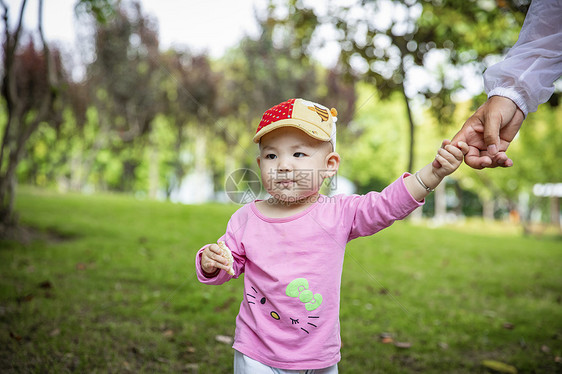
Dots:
{"x": 323, "y": 113}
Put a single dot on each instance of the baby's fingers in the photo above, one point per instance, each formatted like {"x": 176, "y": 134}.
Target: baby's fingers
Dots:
{"x": 220, "y": 261}
{"x": 435, "y": 162}
{"x": 213, "y": 254}
{"x": 444, "y": 157}
{"x": 450, "y": 157}
{"x": 211, "y": 264}
{"x": 455, "y": 152}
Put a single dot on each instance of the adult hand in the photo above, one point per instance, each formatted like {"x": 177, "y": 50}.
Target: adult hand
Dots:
{"x": 488, "y": 133}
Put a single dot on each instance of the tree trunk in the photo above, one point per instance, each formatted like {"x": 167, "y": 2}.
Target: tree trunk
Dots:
{"x": 15, "y": 145}
{"x": 76, "y": 171}
{"x": 100, "y": 142}
{"x": 18, "y": 130}
{"x": 229, "y": 164}
{"x": 412, "y": 130}
{"x": 178, "y": 167}
{"x": 7, "y": 195}
{"x": 153, "y": 171}
{"x": 201, "y": 151}
{"x": 555, "y": 211}
{"x": 488, "y": 207}
{"x": 417, "y": 214}
{"x": 459, "y": 193}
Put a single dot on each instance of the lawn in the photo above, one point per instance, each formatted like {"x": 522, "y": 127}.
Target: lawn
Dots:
{"x": 106, "y": 283}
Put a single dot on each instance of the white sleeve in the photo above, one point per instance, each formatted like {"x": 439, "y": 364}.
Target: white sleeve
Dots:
{"x": 534, "y": 63}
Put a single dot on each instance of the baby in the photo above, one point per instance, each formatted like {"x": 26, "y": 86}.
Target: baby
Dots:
{"x": 291, "y": 246}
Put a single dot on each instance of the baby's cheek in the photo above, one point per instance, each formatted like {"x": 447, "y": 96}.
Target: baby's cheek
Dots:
{"x": 266, "y": 178}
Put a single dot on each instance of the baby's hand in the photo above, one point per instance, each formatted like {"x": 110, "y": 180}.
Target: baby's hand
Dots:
{"x": 212, "y": 259}
{"x": 450, "y": 158}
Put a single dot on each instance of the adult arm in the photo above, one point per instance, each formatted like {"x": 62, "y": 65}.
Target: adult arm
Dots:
{"x": 534, "y": 63}
{"x": 515, "y": 87}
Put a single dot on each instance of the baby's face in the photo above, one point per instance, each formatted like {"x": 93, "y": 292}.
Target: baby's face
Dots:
{"x": 293, "y": 165}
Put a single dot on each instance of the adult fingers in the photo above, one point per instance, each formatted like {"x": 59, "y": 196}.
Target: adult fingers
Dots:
{"x": 492, "y": 124}
{"x": 463, "y": 147}
{"x": 476, "y": 160}
{"x": 501, "y": 159}
{"x": 508, "y": 132}
{"x": 498, "y": 112}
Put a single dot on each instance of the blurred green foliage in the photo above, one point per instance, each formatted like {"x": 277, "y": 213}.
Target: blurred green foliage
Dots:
{"x": 142, "y": 119}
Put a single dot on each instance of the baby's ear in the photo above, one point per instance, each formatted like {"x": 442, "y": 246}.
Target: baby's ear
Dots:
{"x": 258, "y": 160}
{"x": 332, "y": 164}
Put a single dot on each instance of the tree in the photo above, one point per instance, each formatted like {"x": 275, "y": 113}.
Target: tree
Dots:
{"x": 31, "y": 86}
{"x": 124, "y": 81}
{"x": 29, "y": 90}
{"x": 259, "y": 74}
{"x": 275, "y": 67}
{"x": 391, "y": 43}
{"x": 190, "y": 90}
{"x": 388, "y": 42}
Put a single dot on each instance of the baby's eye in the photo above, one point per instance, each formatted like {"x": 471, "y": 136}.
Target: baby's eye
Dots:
{"x": 298, "y": 154}
{"x": 271, "y": 156}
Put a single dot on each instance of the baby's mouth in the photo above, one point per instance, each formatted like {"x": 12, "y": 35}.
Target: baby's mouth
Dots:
{"x": 285, "y": 183}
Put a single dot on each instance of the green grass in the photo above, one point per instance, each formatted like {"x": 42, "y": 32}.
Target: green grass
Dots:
{"x": 122, "y": 295}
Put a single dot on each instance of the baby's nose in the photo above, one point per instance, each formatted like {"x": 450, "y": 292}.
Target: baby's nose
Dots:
{"x": 284, "y": 165}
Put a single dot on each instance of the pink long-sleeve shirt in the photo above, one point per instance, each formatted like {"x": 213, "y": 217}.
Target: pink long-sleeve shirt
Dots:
{"x": 289, "y": 317}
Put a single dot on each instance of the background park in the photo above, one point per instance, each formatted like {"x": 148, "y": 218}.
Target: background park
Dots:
{"x": 113, "y": 171}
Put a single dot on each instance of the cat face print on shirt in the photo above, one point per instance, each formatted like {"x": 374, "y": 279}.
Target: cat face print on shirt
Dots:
{"x": 298, "y": 289}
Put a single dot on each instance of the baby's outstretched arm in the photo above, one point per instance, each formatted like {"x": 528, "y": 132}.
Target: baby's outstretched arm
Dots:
{"x": 424, "y": 181}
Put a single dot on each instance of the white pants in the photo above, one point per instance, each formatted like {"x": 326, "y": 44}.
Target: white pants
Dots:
{"x": 246, "y": 365}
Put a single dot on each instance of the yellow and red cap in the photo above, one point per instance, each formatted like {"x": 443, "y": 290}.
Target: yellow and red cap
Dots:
{"x": 314, "y": 119}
